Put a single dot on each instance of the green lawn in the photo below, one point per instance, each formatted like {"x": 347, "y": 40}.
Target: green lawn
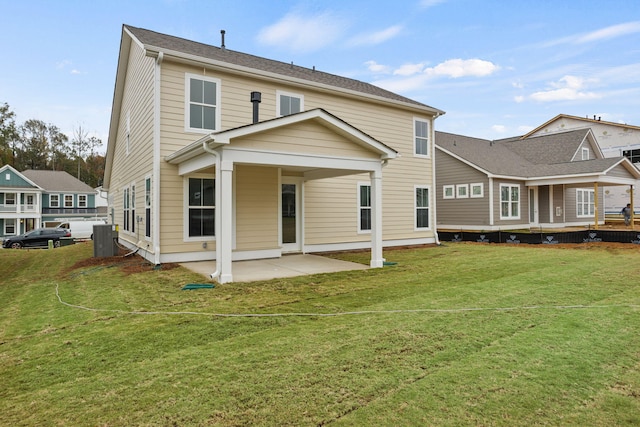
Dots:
{"x": 461, "y": 334}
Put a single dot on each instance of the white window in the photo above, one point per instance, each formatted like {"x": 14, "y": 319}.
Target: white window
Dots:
{"x": 422, "y": 207}
{"x": 125, "y": 209}
{"x": 448, "y": 191}
{"x": 585, "y": 203}
{"x": 133, "y": 208}
{"x": 462, "y": 191}
{"x": 585, "y": 153}
{"x": 54, "y": 201}
{"x": 364, "y": 208}
{"x": 202, "y": 99}
{"x": 421, "y": 137}
{"x": 9, "y": 227}
{"x": 200, "y": 208}
{"x": 509, "y": 201}
{"x": 9, "y": 199}
{"x": 147, "y": 207}
{"x": 288, "y": 103}
{"x": 68, "y": 200}
{"x": 477, "y": 190}
{"x": 82, "y": 200}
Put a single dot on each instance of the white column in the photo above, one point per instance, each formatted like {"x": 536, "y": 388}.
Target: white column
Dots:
{"x": 225, "y": 232}
{"x": 376, "y": 219}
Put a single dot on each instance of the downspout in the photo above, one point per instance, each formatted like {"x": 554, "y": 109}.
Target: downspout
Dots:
{"x": 217, "y": 219}
{"x": 433, "y": 179}
{"x": 156, "y": 162}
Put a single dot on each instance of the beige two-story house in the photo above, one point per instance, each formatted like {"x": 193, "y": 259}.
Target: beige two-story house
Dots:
{"x": 217, "y": 154}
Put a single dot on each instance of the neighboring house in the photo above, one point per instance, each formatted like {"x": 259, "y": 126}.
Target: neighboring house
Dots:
{"x": 615, "y": 140}
{"x": 554, "y": 180}
{"x": 217, "y": 154}
{"x": 36, "y": 198}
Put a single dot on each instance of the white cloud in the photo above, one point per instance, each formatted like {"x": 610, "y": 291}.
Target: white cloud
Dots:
{"x": 63, "y": 64}
{"x": 455, "y": 68}
{"x": 430, "y": 3}
{"x": 374, "y": 67}
{"x": 300, "y": 33}
{"x": 568, "y": 88}
{"x": 409, "y": 69}
{"x": 376, "y": 37}
{"x": 519, "y": 99}
{"x": 499, "y": 128}
{"x": 610, "y": 32}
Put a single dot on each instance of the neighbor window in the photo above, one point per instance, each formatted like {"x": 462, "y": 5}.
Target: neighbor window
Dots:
{"x": 201, "y": 207}
{"x": 448, "y": 191}
{"x": 585, "y": 153}
{"x": 422, "y": 207}
{"x": 9, "y": 227}
{"x": 82, "y": 200}
{"x": 68, "y": 200}
{"x": 9, "y": 199}
{"x": 421, "y": 137}
{"x": 289, "y": 103}
{"x": 364, "y": 207}
{"x": 147, "y": 207}
{"x": 54, "y": 201}
{"x": 462, "y": 191}
{"x": 585, "y": 203}
{"x": 477, "y": 190}
{"x": 202, "y": 103}
{"x": 509, "y": 201}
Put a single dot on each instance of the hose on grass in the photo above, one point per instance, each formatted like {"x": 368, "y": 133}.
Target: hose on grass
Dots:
{"x": 348, "y": 313}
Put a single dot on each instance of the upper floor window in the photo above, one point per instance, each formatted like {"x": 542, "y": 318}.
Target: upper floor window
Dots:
{"x": 289, "y": 103}
{"x": 82, "y": 200}
{"x": 68, "y": 200}
{"x": 632, "y": 155}
{"x": 54, "y": 201}
{"x": 421, "y": 137}
{"x": 585, "y": 153}
{"x": 509, "y": 201}
{"x": 9, "y": 199}
{"x": 202, "y": 103}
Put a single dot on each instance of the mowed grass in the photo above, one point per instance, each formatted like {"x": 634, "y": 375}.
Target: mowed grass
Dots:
{"x": 459, "y": 334}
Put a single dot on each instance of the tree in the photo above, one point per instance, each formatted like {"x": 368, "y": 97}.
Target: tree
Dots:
{"x": 8, "y": 135}
{"x": 83, "y": 146}
{"x": 42, "y": 146}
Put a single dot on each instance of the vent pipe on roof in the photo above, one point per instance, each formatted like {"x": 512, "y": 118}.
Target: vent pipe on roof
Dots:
{"x": 256, "y": 98}
{"x": 222, "y": 32}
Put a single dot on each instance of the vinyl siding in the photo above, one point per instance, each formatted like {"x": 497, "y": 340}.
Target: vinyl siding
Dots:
{"x": 256, "y": 208}
{"x": 132, "y": 168}
{"x": 571, "y": 206}
{"x": 523, "y": 221}
{"x": 460, "y": 211}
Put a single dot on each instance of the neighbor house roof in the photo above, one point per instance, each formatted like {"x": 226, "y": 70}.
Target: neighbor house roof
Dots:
{"x": 587, "y": 122}
{"x": 529, "y": 158}
{"x": 153, "y": 41}
{"x": 57, "y": 181}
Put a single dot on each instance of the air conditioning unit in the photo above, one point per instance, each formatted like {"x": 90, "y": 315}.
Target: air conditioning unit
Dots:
{"x": 105, "y": 237}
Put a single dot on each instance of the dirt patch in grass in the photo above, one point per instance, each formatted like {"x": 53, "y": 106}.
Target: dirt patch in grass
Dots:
{"x": 131, "y": 264}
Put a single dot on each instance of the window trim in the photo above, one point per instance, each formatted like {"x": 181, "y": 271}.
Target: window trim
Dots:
{"x": 15, "y": 226}
{"x": 449, "y": 187}
{"x": 147, "y": 207}
{"x": 585, "y": 153}
{"x": 360, "y": 207}
{"x": 57, "y": 197}
{"x": 590, "y": 204}
{"x": 187, "y": 102}
{"x": 280, "y": 93}
{"x": 416, "y": 207}
{"x": 427, "y": 138}
{"x": 476, "y": 184}
{"x": 15, "y": 199}
{"x": 83, "y": 201}
{"x": 64, "y": 201}
{"x": 126, "y": 209}
{"x": 519, "y": 201}
{"x": 464, "y": 187}
{"x": 186, "y": 206}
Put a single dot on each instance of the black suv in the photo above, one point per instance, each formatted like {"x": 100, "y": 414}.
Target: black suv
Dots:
{"x": 37, "y": 238}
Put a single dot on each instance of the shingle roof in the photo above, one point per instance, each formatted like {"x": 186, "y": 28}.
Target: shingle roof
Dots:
{"x": 512, "y": 157}
{"x": 153, "y": 39}
{"x": 57, "y": 181}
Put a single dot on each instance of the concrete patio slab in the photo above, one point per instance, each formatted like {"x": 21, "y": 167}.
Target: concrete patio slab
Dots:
{"x": 273, "y": 268}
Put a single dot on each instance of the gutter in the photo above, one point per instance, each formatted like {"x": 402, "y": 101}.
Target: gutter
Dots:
{"x": 218, "y": 197}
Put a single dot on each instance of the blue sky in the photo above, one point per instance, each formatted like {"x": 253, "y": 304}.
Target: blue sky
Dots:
{"x": 498, "y": 68}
